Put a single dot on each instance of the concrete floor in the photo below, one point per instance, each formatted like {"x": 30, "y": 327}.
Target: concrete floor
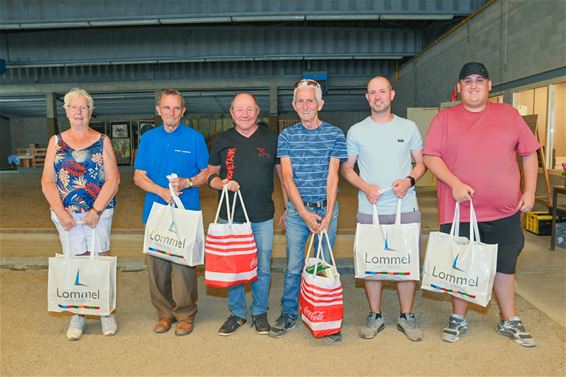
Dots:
{"x": 27, "y": 237}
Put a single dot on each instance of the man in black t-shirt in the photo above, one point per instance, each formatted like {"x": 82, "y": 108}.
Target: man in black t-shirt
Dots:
{"x": 244, "y": 158}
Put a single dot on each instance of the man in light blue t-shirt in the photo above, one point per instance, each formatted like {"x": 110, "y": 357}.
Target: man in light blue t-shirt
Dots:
{"x": 310, "y": 153}
{"x": 382, "y": 145}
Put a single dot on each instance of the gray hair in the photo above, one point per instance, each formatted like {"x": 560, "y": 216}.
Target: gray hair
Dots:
{"x": 78, "y": 92}
{"x": 171, "y": 92}
{"x": 307, "y": 83}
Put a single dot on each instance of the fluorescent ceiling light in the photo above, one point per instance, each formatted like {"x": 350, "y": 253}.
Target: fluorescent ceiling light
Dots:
{"x": 268, "y": 18}
{"x": 195, "y": 20}
{"x": 53, "y": 25}
{"x": 229, "y": 59}
{"x": 181, "y": 60}
{"x": 36, "y": 65}
{"x": 150, "y": 96}
{"x": 153, "y": 21}
{"x": 23, "y": 99}
{"x": 328, "y": 57}
{"x": 342, "y": 17}
{"x": 415, "y": 17}
{"x": 377, "y": 57}
{"x": 10, "y": 26}
{"x": 145, "y": 61}
{"x": 278, "y": 57}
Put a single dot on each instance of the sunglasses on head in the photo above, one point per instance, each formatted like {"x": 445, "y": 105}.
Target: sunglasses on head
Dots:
{"x": 307, "y": 82}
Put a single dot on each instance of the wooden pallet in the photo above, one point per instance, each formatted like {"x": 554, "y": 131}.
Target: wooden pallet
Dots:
{"x": 38, "y": 156}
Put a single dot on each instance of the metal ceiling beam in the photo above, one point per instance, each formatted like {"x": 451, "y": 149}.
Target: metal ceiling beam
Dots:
{"x": 153, "y": 45}
{"x": 193, "y": 85}
{"x": 43, "y": 14}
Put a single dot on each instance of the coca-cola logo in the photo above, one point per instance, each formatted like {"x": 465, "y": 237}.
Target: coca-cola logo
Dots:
{"x": 313, "y": 315}
{"x": 253, "y": 263}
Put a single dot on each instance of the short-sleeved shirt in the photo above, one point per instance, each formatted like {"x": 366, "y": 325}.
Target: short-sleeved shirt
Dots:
{"x": 80, "y": 175}
{"x": 383, "y": 154}
{"x": 249, "y": 161}
{"x": 161, "y": 153}
{"x": 480, "y": 148}
{"x": 310, "y": 152}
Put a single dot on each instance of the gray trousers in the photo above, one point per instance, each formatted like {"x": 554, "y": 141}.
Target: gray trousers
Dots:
{"x": 173, "y": 289}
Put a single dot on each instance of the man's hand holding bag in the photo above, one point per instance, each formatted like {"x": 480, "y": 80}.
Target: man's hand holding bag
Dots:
{"x": 387, "y": 251}
{"x": 174, "y": 233}
{"x": 464, "y": 268}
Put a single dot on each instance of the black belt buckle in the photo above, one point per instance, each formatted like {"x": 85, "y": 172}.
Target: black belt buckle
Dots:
{"x": 320, "y": 204}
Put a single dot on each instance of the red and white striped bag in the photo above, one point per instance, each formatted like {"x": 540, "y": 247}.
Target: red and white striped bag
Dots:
{"x": 321, "y": 297}
{"x": 230, "y": 249}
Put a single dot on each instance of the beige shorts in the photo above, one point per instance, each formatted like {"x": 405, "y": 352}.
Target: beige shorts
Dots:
{"x": 79, "y": 239}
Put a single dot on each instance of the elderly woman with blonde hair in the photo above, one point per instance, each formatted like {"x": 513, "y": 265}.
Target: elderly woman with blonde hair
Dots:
{"x": 80, "y": 180}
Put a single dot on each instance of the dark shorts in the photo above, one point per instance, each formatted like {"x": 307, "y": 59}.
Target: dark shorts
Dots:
{"x": 506, "y": 232}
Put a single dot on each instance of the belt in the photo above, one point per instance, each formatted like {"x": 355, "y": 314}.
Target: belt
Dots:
{"x": 320, "y": 204}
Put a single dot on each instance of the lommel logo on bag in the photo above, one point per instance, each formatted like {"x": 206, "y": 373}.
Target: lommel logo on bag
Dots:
{"x": 386, "y": 246}
{"x": 455, "y": 263}
{"x": 454, "y": 280}
{"x": 393, "y": 260}
{"x": 77, "y": 279}
{"x": 78, "y": 296}
{"x": 389, "y": 260}
{"x": 168, "y": 240}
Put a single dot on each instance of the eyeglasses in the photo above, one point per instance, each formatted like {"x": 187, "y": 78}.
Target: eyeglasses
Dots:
{"x": 78, "y": 107}
{"x": 307, "y": 82}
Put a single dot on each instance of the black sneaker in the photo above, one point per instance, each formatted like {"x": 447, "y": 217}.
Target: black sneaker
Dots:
{"x": 283, "y": 324}
{"x": 335, "y": 337}
{"x": 261, "y": 324}
{"x": 231, "y": 325}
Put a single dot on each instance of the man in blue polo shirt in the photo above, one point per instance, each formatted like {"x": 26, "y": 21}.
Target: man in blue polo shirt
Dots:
{"x": 310, "y": 153}
{"x": 171, "y": 148}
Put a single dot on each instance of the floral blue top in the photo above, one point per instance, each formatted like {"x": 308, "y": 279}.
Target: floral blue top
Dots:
{"x": 80, "y": 175}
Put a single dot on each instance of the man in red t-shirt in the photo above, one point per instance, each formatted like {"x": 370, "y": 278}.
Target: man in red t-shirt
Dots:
{"x": 471, "y": 148}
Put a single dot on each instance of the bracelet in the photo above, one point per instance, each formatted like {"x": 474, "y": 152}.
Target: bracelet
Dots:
{"x": 99, "y": 213}
{"x": 210, "y": 178}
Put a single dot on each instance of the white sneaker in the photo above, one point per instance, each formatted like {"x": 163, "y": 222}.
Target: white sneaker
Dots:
{"x": 76, "y": 326}
{"x": 109, "y": 326}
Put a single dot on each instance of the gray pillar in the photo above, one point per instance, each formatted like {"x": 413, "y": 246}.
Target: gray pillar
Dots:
{"x": 273, "y": 109}
{"x": 156, "y": 118}
{"x": 51, "y": 111}
{"x": 508, "y": 96}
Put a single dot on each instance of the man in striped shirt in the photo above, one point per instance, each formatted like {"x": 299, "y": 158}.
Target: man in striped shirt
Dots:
{"x": 311, "y": 152}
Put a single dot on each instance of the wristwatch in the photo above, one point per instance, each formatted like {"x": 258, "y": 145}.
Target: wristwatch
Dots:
{"x": 412, "y": 179}
{"x": 191, "y": 183}
{"x": 96, "y": 211}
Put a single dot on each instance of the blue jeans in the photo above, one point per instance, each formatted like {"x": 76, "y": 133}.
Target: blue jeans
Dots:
{"x": 263, "y": 235}
{"x": 297, "y": 236}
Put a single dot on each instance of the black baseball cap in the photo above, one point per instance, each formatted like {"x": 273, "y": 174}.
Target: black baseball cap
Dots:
{"x": 473, "y": 68}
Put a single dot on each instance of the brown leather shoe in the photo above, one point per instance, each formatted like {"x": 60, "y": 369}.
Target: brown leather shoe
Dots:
{"x": 163, "y": 325}
{"x": 183, "y": 328}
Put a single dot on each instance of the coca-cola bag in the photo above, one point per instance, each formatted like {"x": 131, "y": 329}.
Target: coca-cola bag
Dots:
{"x": 321, "y": 295}
{"x": 230, "y": 249}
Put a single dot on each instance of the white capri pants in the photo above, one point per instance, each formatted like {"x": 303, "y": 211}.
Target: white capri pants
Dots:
{"x": 80, "y": 237}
